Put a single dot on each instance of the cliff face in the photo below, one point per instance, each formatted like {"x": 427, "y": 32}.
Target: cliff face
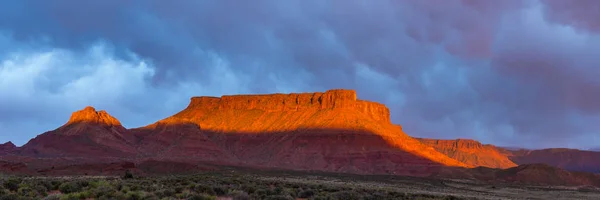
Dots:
{"x": 331, "y": 131}
{"x": 89, "y": 115}
{"x": 471, "y": 152}
{"x": 330, "y": 100}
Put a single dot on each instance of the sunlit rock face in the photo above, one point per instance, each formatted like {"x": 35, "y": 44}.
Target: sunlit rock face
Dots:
{"x": 471, "y": 152}
{"x": 89, "y": 115}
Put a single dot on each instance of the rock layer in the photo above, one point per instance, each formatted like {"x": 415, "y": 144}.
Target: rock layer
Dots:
{"x": 471, "y": 152}
{"x": 333, "y": 99}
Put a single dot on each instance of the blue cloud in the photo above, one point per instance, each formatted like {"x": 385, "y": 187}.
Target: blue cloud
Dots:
{"x": 507, "y": 72}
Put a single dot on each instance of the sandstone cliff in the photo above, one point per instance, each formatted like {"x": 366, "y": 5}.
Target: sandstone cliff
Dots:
{"x": 330, "y": 131}
{"x": 471, "y": 152}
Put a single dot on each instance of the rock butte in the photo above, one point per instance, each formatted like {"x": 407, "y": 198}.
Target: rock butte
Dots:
{"x": 89, "y": 115}
{"x": 318, "y": 115}
{"x": 88, "y": 133}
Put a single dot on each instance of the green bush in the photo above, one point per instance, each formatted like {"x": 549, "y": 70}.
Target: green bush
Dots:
{"x": 203, "y": 189}
{"x": 12, "y": 184}
{"x": 72, "y": 196}
{"x": 134, "y": 195}
{"x": 165, "y": 193}
{"x": 346, "y": 195}
{"x": 102, "y": 190}
{"x": 183, "y": 195}
{"x": 26, "y": 191}
{"x": 41, "y": 189}
{"x": 53, "y": 197}
{"x": 125, "y": 189}
{"x": 69, "y": 187}
{"x": 128, "y": 175}
{"x": 279, "y": 197}
{"x": 239, "y": 195}
{"x": 202, "y": 197}
{"x": 450, "y": 197}
{"x": 10, "y": 197}
{"x": 306, "y": 193}
{"x": 220, "y": 190}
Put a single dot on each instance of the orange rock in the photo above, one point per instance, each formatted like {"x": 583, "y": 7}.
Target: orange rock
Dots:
{"x": 471, "y": 152}
{"x": 89, "y": 115}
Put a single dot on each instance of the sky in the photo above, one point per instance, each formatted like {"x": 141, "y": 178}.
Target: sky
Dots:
{"x": 511, "y": 73}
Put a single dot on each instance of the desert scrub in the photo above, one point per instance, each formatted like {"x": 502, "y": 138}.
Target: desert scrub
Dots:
{"x": 306, "y": 193}
{"x": 100, "y": 189}
{"x": 53, "y": 197}
{"x": 279, "y": 197}
{"x": 346, "y": 195}
{"x": 220, "y": 190}
{"x": 69, "y": 187}
{"x": 134, "y": 195}
{"x": 202, "y": 197}
{"x": 26, "y": 191}
{"x": 203, "y": 189}
{"x": 239, "y": 195}
{"x": 10, "y": 197}
{"x": 12, "y": 184}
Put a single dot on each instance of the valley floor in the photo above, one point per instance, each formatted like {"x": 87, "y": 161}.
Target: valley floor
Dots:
{"x": 240, "y": 184}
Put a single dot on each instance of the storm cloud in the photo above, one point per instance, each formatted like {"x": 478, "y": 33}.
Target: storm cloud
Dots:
{"x": 518, "y": 73}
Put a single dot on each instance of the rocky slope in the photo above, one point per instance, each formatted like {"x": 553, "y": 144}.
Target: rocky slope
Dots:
{"x": 88, "y": 133}
{"x": 471, "y": 152}
{"x": 7, "y": 148}
{"x": 569, "y": 159}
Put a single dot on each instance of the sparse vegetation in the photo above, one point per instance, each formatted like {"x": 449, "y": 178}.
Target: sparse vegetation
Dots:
{"x": 231, "y": 185}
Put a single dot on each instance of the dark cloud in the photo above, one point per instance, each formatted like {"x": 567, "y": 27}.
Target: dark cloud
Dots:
{"x": 583, "y": 14}
{"x": 507, "y": 72}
